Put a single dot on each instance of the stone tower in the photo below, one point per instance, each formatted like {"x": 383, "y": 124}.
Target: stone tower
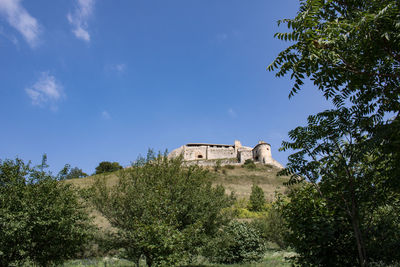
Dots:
{"x": 262, "y": 153}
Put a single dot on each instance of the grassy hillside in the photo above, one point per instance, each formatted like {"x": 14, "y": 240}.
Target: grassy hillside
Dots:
{"x": 233, "y": 178}
{"x": 240, "y": 180}
{"x": 236, "y": 179}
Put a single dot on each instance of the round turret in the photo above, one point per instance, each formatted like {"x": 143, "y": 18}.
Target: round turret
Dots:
{"x": 262, "y": 153}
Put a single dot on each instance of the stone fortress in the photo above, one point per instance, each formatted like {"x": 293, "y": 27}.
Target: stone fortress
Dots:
{"x": 202, "y": 153}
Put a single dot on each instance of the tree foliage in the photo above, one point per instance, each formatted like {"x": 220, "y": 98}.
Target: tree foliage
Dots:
{"x": 106, "y": 166}
{"x": 70, "y": 173}
{"x": 351, "y": 52}
{"x": 41, "y": 220}
{"x": 237, "y": 243}
{"x": 349, "y": 172}
{"x": 163, "y": 211}
{"x": 272, "y": 226}
{"x": 349, "y": 49}
{"x": 350, "y": 154}
{"x": 257, "y": 198}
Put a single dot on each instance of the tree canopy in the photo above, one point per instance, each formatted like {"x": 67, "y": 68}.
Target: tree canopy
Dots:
{"x": 162, "y": 210}
{"x": 106, "y": 166}
{"x": 42, "y": 220}
{"x": 350, "y": 50}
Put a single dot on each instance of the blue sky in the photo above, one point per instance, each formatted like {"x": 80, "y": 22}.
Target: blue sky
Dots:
{"x": 87, "y": 81}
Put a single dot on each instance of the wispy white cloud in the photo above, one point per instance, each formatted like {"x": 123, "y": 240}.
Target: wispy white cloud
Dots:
{"x": 118, "y": 68}
{"x": 46, "y": 91}
{"x": 232, "y": 113}
{"x": 17, "y": 16}
{"x": 105, "y": 115}
{"x": 221, "y": 37}
{"x": 79, "y": 19}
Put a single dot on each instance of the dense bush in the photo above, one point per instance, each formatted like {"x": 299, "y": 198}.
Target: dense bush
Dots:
{"x": 162, "y": 210}
{"x": 106, "y": 166}
{"x": 272, "y": 226}
{"x": 257, "y": 198}
{"x": 322, "y": 233}
{"x": 236, "y": 243}
{"x": 41, "y": 220}
{"x": 249, "y": 164}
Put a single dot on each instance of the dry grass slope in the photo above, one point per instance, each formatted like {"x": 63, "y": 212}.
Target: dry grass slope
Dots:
{"x": 240, "y": 180}
{"x": 233, "y": 178}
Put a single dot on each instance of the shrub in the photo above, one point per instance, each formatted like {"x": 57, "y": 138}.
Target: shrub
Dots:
{"x": 41, "y": 219}
{"x": 217, "y": 166}
{"x": 272, "y": 226}
{"x": 249, "y": 164}
{"x": 106, "y": 166}
{"x": 257, "y": 198}
{"x": 236, "y": 243}
{"x": 230, "y": 167}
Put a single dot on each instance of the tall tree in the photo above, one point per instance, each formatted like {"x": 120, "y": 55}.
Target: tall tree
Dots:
{"x": 351, "y": 51}
{"x": 350, "y": 177}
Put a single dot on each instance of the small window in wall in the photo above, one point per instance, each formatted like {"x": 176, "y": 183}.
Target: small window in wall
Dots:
{"x": 200, "y": 156}
{"x": 256, "y": 158}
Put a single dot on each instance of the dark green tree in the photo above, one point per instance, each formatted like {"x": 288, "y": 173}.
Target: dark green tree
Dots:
{"x": 349, "y": 173}
{"x": 257, "y": 198}
{"x": 349, "y": 49}
{"x": 42, "y": 220}
{"x": 163, "y": 210}
{"x": 351, "y": 52}
{"x": 106, "y": 166}
{"x": 70, "y": 173}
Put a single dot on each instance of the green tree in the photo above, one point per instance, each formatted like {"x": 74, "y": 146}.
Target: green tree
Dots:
{"x": 70, "y": 173}
{"x": 106, "y": 166}
{"x": 41, "y": 220}
{"x": 163, "y": 211}
{"x": 349, "y": 173}
{"x": 257, "y": 198}
{"x": 351, "y": 52}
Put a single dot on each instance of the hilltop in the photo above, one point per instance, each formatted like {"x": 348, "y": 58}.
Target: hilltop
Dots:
{"x": 235, "y": 178}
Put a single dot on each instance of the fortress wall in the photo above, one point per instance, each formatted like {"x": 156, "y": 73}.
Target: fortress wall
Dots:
{"x": 208, "y": 154}
{"x": 221, "y": 153}
{"x": 194, "y": 153}
{"x": 246, "y": 154}
{"x": 176, "y": 152}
